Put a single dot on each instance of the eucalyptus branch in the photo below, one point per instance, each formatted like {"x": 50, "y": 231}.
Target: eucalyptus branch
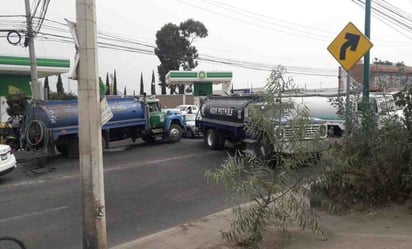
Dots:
{"x": 289, "y": 189}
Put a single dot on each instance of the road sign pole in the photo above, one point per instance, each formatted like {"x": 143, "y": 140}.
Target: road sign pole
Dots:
{"x": 348, "y": 106}
{"x": 366, "y": 66}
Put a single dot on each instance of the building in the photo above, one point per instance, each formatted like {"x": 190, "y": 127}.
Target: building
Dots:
{"x": 15, "y": 76}
{"x": 384, "y": 77}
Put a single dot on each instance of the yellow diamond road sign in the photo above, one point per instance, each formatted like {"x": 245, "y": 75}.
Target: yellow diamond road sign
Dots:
{"x": 349, "y": 46}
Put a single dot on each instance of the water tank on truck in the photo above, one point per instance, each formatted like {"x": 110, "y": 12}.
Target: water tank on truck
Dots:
{"x": 55, "y": 122}
{"x": 223, "y": 118}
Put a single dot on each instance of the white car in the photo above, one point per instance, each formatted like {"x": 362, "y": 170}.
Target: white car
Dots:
{"x": 188, "y": 109}
{"x": 7, "y": 159}
{"x": 191, "y": 129}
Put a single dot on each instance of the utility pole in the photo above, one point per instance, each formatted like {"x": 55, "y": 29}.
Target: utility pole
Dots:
{"x": 366, "y": 63}
{"x": 35, "y": 84}
{"x": 90, "y": 138}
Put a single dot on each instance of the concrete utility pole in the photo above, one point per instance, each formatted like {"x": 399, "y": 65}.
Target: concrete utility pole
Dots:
{"x": 35, "y": 84}
{"x": 90, "y": 139}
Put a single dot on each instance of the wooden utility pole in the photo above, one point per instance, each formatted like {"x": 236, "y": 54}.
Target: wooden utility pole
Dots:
{"x": 35, "y": 84}
{"x": 90, "y": 139}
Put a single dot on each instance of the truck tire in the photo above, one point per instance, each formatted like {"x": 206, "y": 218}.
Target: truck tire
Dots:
{"x": 174, "y": 133}
{"x": 221, "y": 140}
{"x": 213, "y": 139}
{"x": 189, "y": 133}
{"x": 63, "y": 149}
{"x": 263, "y": 150}
{"x": 148, "y": 139}
{"x": 73, "y": 148}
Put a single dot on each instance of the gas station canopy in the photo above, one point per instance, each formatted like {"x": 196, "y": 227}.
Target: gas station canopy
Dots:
{"x": 202, "y": 81}
{"x": 15, "y": 73}
{"x": 21, "y": 66}
{"x": 189, "y": 77}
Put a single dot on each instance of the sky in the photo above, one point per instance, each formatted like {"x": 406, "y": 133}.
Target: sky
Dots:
{"x": 264, "y": 33}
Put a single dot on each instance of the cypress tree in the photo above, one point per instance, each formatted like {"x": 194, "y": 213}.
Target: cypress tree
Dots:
{"x": 153, "y": 86}
{"x": 59, "y": 85}
{"x": 141, "y": 85}
{"x": 115, "y": 83}
{"x": 46, "y": 86}
{"x": 107, "y": 84}
{"x": 124, "y": 91}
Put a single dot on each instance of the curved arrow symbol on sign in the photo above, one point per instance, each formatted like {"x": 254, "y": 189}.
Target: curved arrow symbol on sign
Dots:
{"x": 352, "y": 42}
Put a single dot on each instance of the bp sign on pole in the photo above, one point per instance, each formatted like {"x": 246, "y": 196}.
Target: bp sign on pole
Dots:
{"x": 349, "y": 46}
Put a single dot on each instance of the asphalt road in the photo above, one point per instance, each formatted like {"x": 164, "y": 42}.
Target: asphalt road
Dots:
{"x": 148, "y": 188}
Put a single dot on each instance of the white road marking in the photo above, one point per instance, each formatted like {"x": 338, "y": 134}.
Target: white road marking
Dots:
{"x": 33, "y": 214}
{"x": 115, "y": 168}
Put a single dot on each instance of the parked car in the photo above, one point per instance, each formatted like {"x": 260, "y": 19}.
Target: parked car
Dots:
{"x": 191, "y": 129}
{"x": 7, "y": 159}
{"x": 188, "y": 109}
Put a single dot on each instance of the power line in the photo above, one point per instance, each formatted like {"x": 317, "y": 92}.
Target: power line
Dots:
{"x": 265, "y": 26}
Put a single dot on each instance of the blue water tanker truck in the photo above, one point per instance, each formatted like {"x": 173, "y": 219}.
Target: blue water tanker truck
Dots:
{"x": 54, "y": 124}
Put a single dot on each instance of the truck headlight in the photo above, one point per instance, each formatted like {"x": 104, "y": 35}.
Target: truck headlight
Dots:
{"x": 162, "y": 118}
{"x": 279, "y": 132}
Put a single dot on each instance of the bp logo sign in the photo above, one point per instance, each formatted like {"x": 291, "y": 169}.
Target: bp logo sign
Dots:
{"x": 201, "y": 75}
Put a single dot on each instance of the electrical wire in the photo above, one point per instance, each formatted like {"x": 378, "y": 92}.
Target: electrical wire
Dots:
{"x": 58, "y": 32}
{"x": 400, "y": 21}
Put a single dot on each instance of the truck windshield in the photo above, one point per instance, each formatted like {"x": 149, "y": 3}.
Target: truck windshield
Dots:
{"x": 154, "y": 107}
{"x": 277, "y": 110}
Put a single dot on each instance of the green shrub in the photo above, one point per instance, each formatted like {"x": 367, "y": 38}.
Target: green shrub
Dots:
{"x": 371, "y": 166}
{"x": 274, "y": 192}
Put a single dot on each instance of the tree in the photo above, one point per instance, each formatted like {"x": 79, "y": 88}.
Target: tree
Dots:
{"x": 174, "y": 48}
{"x": 141, "y": 85}
{"x": 153, "y": 86}
{"x": 134, "y": 93}
{"x": 46, "y": 87}
{"x": 124, "y": 91}
{"x": 107, "y": 84}
{"x": 16, "y": 103}
{"x": 115, "y": 83}
{"x": 64, "y": 96}
{"x": 269, "y": 181}
{"x": 59, "y": 85}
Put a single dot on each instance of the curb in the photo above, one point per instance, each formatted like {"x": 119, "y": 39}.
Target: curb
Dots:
{"x": 182, "y": 232}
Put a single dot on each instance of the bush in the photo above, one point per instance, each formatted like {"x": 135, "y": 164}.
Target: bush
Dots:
{"x": 370, "y": 167}
{"x": 275, "y": 193}
{"x": 16, "y": 103}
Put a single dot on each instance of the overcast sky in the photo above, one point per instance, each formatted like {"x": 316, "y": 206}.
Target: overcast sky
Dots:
{"x": 293, "y": 33}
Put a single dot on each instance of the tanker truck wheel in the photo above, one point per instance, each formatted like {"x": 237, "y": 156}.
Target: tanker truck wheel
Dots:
{"x": 263, "y": 150}
{"x": 214, "y": 140}
{"x": 63, "y": 149}
{"x": 148, "y": 138}
{"x": 175, "y": 133}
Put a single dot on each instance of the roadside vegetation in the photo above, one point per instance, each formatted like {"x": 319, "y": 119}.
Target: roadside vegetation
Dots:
{"x": 276, "y": 193}
{"x": 372, "y": 166}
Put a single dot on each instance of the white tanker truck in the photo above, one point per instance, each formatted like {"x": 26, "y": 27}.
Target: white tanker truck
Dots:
{"x": 326, "y": 108}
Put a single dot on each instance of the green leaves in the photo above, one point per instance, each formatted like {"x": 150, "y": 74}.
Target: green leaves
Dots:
{"x": 16, "y": 103}
{"x": 270, "y": 183}
{"x": 174, "y": 47}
